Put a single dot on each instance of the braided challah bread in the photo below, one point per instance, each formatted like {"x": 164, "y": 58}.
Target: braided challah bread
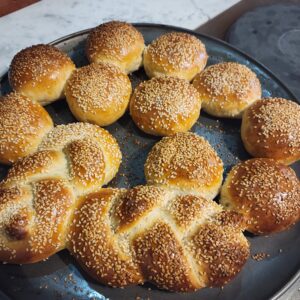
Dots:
{"x": 40, "y": 192}
{"x": 177, "y": 241}
{"x": 53, "y": 200}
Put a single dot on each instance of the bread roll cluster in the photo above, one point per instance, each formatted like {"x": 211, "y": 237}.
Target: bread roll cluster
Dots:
{"x": 169, "y": 231}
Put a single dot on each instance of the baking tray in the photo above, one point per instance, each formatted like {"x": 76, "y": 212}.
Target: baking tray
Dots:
{"x": 60, "y": 277}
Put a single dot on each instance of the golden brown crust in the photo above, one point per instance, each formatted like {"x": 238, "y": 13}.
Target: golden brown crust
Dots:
{"x": 41, "y": 164}
{"x": 127, "y": 237}
{"x": 227, "y": 89}
{"x": 270, "y": 128}
{"x": 40, "y": 73}
{"x": 87, "y": 155}
{"x": 23, "y": 124}
{"x": 164, "y": 263}
{"x": 175, "y": 54}
{"x": 221, "y": 247}
{"x": 33, "y": 220}
{"x": 266, "y": 192}
{"x": 165, "y": 105}
{"x": 41, "y": 191}
{"x": 87, "y": 163}
{"x": 185, "y": 161}
{"x": 136, "y": 203}
{"x": 92, "y": 241}
{"x": 118, "y": 43}
{"x": 185, "y": 209}
{"x": 98, "y": 93}
{"x": 86, "y": 137}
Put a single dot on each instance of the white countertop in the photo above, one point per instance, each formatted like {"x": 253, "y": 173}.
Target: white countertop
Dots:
{"x": 48, "y": 20}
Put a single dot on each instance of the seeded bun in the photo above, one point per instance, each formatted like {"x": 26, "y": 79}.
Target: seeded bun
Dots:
{"x": 98, "y": 93}
{"x": 271, "y": 128}
{"x": 23, "y": 124}
{"x": 175, "y": 54}
{"x": 227, "y": 89}
{"x": 266, "y": 192}
{"x": 40, "y": 73}
{"x": 118, "y": 43}
{"x": 187, "y": 162}
{"x": 165, "y": 105}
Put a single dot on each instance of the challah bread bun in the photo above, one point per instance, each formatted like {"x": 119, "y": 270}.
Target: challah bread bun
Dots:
{"x": 187, "y": 162}
{"x": 165, "y": 105}
{"x": 271, "y": 128}
{"x": 40, "y": 72}
{"x": 93, "y": 153}
{"x": 266, "y": 192}
{"x": 98, "y": 93}
{"x": 23, "y": 125}
{"x": 117, "y": 43}
{"x": 227, "y": 89}
{"x": 175, "y": 54}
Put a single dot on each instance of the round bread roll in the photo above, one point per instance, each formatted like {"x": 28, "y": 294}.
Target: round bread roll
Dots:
{"x": 23, "y": 124}
{"x": 271, "y": 128}
{"x": 40, "y": 73}
{"x": 175, "y": 54}
{"x": 227, "y": 89}
{"x": 266, "y": 192}
{"x": 118, "y": 43}
{"x": 187, "y": 162}
{"x": 165, "y": 105}
{"x": 98, "y": 93}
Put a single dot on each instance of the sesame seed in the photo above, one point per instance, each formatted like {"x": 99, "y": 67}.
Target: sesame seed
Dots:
{"x": 31, "y": 65}
{"x": 276, "y": 121}
{"x": 227, "y": 88}
{"x": 266, "y": 192}
{"x": 185, "y": 161}
{"x": 98, "y": 90}
{"x": 174, "y": 52}
{"x": 165, "y": 105}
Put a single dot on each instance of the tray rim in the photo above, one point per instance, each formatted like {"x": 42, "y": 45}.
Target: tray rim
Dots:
{"x": 286, "y": 287}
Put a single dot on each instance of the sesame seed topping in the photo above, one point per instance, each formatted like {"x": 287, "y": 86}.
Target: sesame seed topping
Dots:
{"x": 271, "y": 127}
{"x": 176, "y": 51}
{"x": 186, "y": 161}
{"x": 114, "y": 41}
{"x": 92, "y": 241}
{"x": 96, "y": 89}
{"x": 163, "y": 104}
{"x": 124, "y": 237}
{"x": 23, "y": 124}
{"x": 31, "y": 65}
{"x": 266, "y": 192}
{"x": 227, "y": 88}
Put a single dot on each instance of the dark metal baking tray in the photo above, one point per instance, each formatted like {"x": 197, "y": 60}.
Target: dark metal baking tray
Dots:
{"x": 60, "y": 277}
